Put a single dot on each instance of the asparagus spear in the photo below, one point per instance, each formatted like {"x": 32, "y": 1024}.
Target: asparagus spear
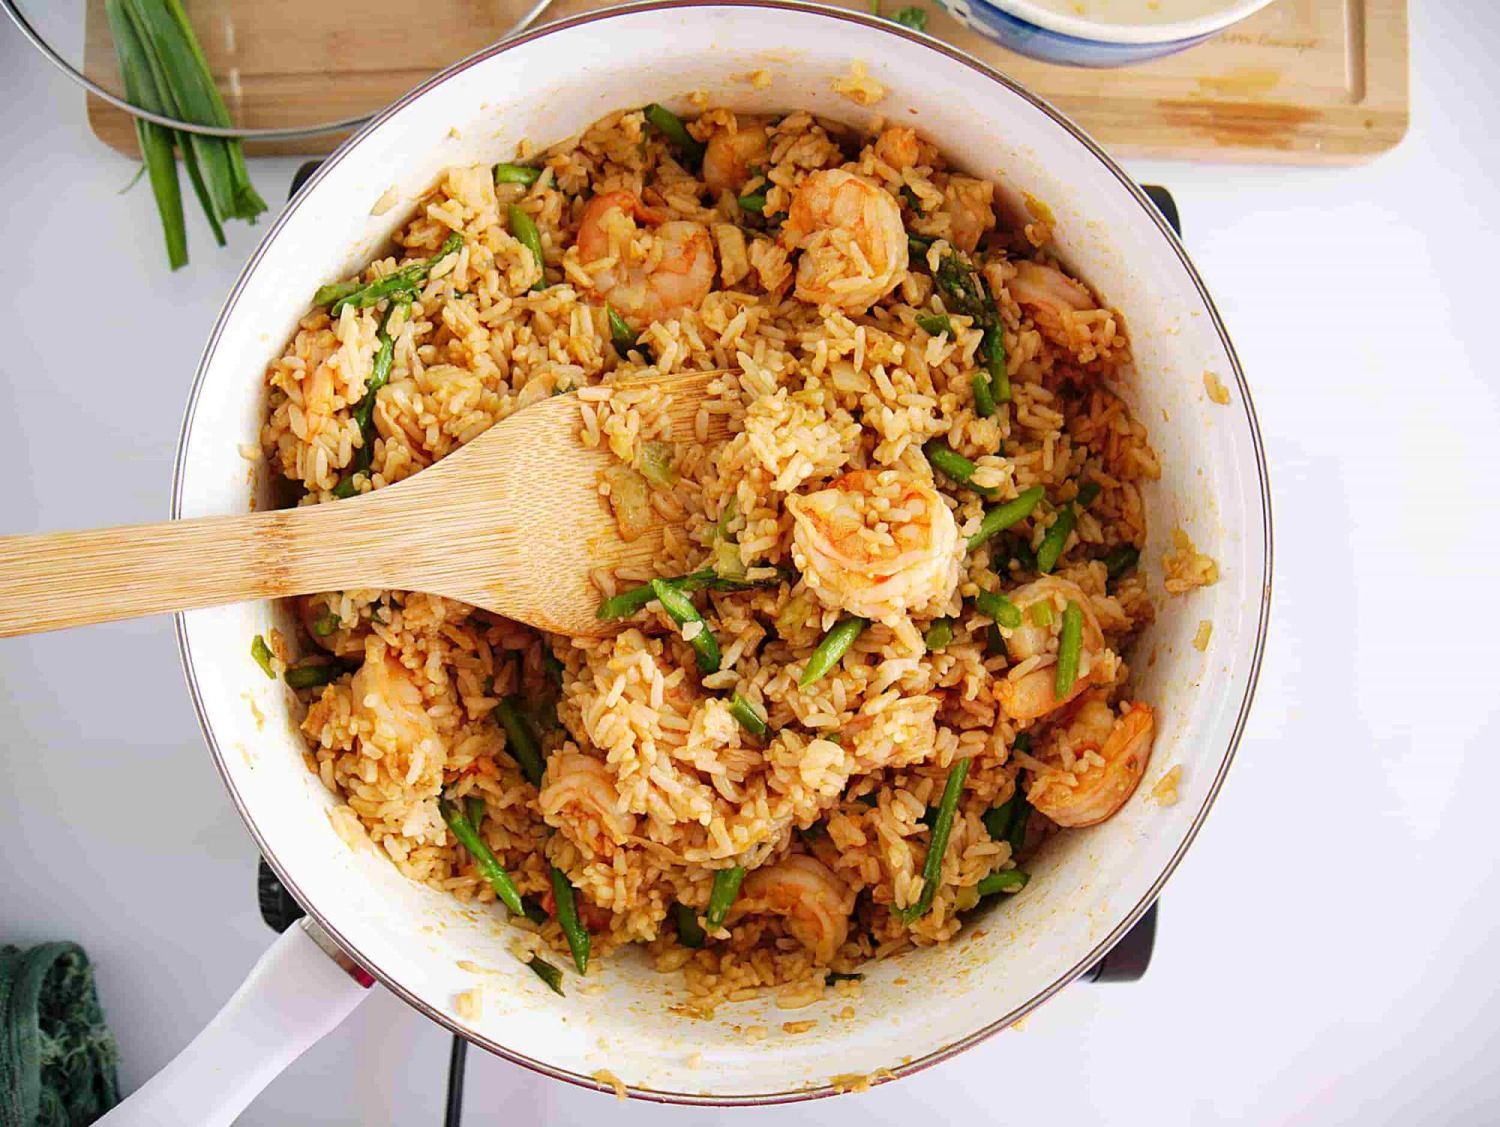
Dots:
{"x": 485, "y": 861}
{"x": 408, "y": 280}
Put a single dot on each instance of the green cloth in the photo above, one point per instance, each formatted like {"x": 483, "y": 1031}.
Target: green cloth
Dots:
{"x": 57, "y": 1057}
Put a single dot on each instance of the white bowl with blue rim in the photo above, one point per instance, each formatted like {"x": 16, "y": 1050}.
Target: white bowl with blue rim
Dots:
{"x": 1099, "y": 33}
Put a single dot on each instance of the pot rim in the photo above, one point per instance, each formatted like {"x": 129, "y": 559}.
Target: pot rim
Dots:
{"x": 1100, "y": 949}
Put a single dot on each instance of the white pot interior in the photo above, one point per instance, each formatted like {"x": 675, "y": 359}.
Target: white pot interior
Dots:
{"x": 1084, "y": 887}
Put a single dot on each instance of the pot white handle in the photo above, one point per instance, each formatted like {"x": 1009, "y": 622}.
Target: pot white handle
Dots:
{"x": 294, "y": 995}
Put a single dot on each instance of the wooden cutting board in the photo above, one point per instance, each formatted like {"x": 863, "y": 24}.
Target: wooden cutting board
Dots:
{"x": 1307, "y": 81}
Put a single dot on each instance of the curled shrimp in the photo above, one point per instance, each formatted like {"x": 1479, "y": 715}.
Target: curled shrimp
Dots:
{"x": 579, "y": 798}
{"x": 649, "y": 279}
{"x": 876, "y": 543}
{"x": 813, "y": 900}
{"x": 1029, "y": 690}
{"x": 731, "y": 154}
{"x": 1047, "y": 293}
{"x": 968, "y": 204}
{"x": 1107, "y": 753}
{"x": 852, "y": 240}
{"x": 392, "y": 719}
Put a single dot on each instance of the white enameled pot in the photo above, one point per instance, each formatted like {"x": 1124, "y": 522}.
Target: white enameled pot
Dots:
{"x": 1088, "y": 887}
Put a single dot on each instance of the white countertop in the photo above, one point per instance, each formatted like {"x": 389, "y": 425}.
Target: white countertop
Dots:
{"x": 1327, "y": 952}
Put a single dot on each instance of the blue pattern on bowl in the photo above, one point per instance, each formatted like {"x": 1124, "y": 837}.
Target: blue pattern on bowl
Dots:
{"x": 1027, "y": 38}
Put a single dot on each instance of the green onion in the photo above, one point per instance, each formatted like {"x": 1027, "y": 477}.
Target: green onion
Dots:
{"x": 939, "y": 635}
{"x": 533, "y": 910}
{"x": 548, "y": 973}
{"x": 523, "y": 227}
{"x": 755, "y": 202}
{"x": 484, "y": 860}
{"x": 918, "y": 245}
{"x": 655, "y": 463}
{"x": 998, "y": 608}
{"x": 1056, "y": 538}
{"x": 942, "y": 826}
{"x": 155, "y": 141}
{"x": 520, "y": 741}
{"x": 839, "y": 976}
{"x": 831, "y": 649}
{"x": 1008, "y": 880}
{"x": 1120, "y": 559}
{"x": 262, "y": 655}
{"x": 748, "y": 716}
{"x": 325, "y": 624}
{"x": 474, "y": 807}
{"x": 621, "y": 335}
{"x": 680, "y": 610}
{"x": 1041, "y": 614}
{"x": 935, "y": 324}
{"x": 516, "y": 174}
{"x": 726, "y": 887}
{"x": 1003, "y": 516}
{"x": 567, "y": 917}
{"x": 670, "y": 126}
{"x": 1069, "y": 644}
{"x": 953, "y": 465}
{"x": 984, "y": 395}
{"x": 914, "y": 18}
{"x": 690, "y": 932}
{"x": 165, "y": 71}
{"x": 308, "y": 674}
{"x": 1088, "y": 493}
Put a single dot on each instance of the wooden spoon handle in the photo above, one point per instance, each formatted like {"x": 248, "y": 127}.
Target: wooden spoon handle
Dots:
{"x": 61, "y": 579}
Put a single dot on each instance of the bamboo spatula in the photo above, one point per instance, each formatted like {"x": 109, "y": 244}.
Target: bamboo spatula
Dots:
{"x": 513, "y": 523}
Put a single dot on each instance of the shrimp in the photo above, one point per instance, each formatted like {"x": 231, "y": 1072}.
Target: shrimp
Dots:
{"x": 672, "y": 271}
{"x": 1108, "y": 755}
{"x": 852, "y": 240}
{"x": 876, "y": 543}
{"x": 317, "y": 400}
{"x": 968, "y": 205}
{"x": 814, "y": 901}
{"x": 1029, "y": 689}
{"x": 578, "y": 796}
{"x": 1047, "y": 293}
{"x": 392, "y": 720}
{"x": 731, "y": 154}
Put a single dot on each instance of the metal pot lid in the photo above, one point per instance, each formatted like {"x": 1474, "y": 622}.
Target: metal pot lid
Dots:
{"x": 302, "y": 95}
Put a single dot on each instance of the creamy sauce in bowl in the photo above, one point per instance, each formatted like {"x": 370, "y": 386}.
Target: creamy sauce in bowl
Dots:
{"x": 1136, "y": 11}
{"x": 1132, "y": 21}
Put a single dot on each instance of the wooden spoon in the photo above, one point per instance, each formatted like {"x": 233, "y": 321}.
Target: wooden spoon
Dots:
{"x": 513, "y": 523}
